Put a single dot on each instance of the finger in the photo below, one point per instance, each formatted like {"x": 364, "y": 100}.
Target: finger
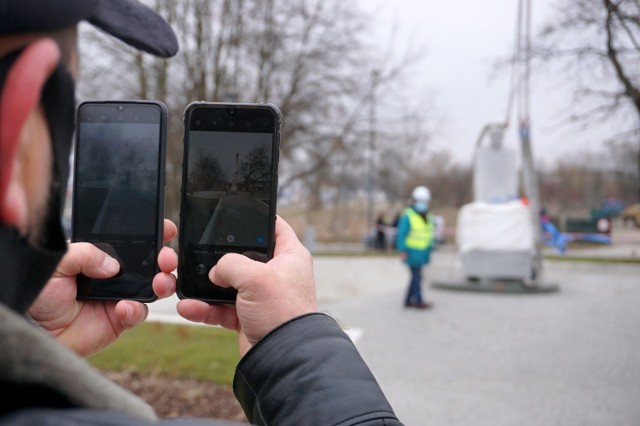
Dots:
{"x": 286, "y": 238}
{"x": 87, "y": 259}
{"x": 240, "y": 272}
{"x": 130, "y": 313}
{"x": 167, "y": 259}
{"x": 164, "y": 284}
{"x": 202, "y": 312}
{"x": 236, "y": 270}
{"x": 197, "y": 311}
{"x": 170, "y": 231}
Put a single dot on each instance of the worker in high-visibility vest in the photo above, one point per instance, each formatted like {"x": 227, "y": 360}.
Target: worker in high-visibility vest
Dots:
{"x": 415, "y": 240}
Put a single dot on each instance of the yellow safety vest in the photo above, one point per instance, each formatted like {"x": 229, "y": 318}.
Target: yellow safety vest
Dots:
{"x": 420, "y": 233}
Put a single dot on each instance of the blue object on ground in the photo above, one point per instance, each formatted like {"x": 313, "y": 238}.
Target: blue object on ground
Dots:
{"x": 554, "y": 238}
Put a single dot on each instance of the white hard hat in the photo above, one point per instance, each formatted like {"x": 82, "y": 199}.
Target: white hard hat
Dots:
{"x": 421, "y": 193}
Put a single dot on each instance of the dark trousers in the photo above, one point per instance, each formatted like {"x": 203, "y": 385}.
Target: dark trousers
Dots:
{"x": 414, "y": 294}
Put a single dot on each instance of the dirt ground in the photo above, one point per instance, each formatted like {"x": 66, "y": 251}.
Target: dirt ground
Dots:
{"x": 182, "y": 398}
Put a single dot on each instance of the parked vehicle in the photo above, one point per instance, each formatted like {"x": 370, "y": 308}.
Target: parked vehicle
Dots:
{"x": 631, "y": 215}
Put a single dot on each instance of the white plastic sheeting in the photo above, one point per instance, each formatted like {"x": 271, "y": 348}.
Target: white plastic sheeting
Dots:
{"x": 494, "y": 227}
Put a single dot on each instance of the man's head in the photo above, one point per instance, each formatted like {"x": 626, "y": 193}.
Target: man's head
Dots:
{"x": 421, "y": 197}
{"x": 38, "y": 68}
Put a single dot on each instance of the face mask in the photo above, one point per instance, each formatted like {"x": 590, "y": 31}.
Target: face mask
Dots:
{"x": 58, "y": 99}
{"x": 25, "y": 268}
{"x": 421, "y": 206}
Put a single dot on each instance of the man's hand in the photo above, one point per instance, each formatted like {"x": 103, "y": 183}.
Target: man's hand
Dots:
{"x": 88, "y": 327}
{"x": 269, "y": 294}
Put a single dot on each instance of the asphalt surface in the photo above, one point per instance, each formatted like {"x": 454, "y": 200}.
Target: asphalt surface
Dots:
{"x": 568, "y": 357}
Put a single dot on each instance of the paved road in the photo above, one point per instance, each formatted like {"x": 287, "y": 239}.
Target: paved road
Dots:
{"x": 570, "y": 357}
{"x": 565, "y": 358}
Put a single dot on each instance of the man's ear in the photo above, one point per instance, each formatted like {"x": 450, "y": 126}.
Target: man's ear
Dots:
{"x": 19, "y": 101}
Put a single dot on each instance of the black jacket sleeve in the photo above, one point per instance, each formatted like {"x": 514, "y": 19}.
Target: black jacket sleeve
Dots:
{"x": 308, "y": 372}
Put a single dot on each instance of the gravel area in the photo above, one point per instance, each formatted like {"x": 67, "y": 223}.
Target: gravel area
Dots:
{"x": 182, "y": 398}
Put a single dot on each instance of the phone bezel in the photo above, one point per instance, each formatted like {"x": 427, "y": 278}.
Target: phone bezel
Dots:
{"x": 96, "y": 284}
{"x": 216, "y": 294}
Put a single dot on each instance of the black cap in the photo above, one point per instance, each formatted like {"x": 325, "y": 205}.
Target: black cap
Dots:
{"x": 129, "y": 20}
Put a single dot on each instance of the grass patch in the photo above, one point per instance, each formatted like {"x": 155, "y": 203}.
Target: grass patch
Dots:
{"x": 561, "y": 258}
{"x": 179, "y": 351}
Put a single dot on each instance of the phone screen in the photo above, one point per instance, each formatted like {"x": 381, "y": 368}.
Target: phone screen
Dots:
{"x": 118, "y": 193}
{"x": 229, "y": 190}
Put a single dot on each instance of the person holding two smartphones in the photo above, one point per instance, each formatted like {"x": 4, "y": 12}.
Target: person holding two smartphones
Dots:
{"x": 298, "y": 366}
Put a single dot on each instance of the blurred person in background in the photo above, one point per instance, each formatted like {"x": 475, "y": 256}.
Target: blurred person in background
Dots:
{"x": 415, "y": 240}
{"x": 380, "y": 242}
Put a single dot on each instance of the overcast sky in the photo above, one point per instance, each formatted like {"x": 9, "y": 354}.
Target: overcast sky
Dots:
{"x": 463, "y": 38}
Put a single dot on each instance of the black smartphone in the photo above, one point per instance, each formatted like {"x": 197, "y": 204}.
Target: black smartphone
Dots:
{"x": 118, "y": 193}
{"x": 229, "y": 191}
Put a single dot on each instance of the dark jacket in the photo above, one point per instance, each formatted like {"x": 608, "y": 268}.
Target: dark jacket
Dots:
{"x": 306, "y": 372}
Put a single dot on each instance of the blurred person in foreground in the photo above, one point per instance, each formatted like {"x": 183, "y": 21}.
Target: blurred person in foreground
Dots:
{"x": 298, "y": 367}
{"x": 414, "y": 241}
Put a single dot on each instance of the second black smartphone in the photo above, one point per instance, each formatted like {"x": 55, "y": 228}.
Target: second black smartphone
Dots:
{"x": 118, "y": 193}
{"x": 229, "y": 190}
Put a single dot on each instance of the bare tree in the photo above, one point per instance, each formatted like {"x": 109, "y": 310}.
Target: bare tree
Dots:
{"x": 596, "y": 46}
{"x": 624, "y": 170}
{"x": 255, "y": 168}
{"x": 207, "y": 174}
{"x": 573, "y": 187}
{"x": 306, "y": 56}
{"x": 448, "y": 182}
